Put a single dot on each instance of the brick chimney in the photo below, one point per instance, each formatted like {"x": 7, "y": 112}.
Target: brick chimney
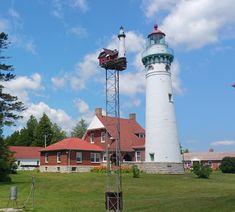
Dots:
{"x": 132, "y": 116}
{"x": 98, "y": 111}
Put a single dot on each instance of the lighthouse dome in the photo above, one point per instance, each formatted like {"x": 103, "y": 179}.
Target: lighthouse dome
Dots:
{"x": 157, "y": 50}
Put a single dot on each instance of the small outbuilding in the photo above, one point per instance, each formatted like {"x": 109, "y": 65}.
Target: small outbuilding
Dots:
{"x": 27, "y": 157}
{"x": 210, "y": 158}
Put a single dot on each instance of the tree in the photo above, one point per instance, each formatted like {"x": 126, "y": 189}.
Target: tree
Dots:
{"x": 31, "y": 126}
{"x": 43, "y": 132}
{"x": 58, "y": 133}
{"x": 228, "y": 165}
{"x": 10, "y": 106}
{"x": 80, "y": 129}
{"x": 10, "y": 109}
{"x": 12, "y": 140}
{"x": 202, "y": 170}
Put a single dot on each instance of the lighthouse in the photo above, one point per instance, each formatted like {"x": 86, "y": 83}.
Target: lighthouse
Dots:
{"x": 161, "y": 142}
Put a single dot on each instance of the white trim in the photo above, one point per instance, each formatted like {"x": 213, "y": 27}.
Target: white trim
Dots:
{"x": 46, "y": 157}
{"x": 80, "y": 157}
{"x": 95, "y": 124}
{"x": 104, "y": 134}
{"x": 58, "y": 158}
{"x": 92, "y": 137}
{"x": 136, "y": 156}
{"x": 95, "y": 157}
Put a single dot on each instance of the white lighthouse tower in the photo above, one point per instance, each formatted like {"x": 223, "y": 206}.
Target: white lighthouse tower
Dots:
{"x": 162, "y": 145}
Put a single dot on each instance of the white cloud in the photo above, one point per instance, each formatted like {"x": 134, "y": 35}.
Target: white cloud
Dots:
{"x": 16, "y": 19}
{"x": 57, "y": 10}
{"x": 78, "y": 31}
{"x": 223, "y": 143}
{"x": 131, "y": 103}
{"x": 132, "y": 83}
{"x": 81, "y": 4}
{"x": 84, "y": 71}
{"x": 21, "y": 85}
{"x": 194, "y": 23}
{"x": 30, "y": 46}
{"x": 151, "y": 7}
{"x": 4, "y": 25}
{"x": 175, "y": 76}
{"x": 56, "y": 115}
{"x": 81, "y": 105}
{"x": 58, "y": 82}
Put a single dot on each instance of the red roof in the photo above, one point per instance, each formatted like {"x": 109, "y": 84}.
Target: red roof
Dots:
{"x": 156, "y": 31}
{"x": 129, "y": 130}
{"x": 25, "y": 151}
{"x": 207, "y": 155}
{"x": 73, "y": 144}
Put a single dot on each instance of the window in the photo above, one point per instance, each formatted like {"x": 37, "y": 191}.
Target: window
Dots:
{"x": 104, "y": 157}
{"x": 58, "y": 157}
{"x": 141, "y": 135}
{"x": 137, "y": 156}
{"x": 92, "y": 136}
{"x": 46, "y": 157}
{"x": 79, "y": 157}
{"x": 74, "y": 169}
{"x": 102, "y": 137}
{"x": 18, "y": 163}
{"x": 58, "y": 169}
{"x": 46, "y": 168}
{"x": 170, "y": 97}
{"x": 95, "y": 157}
{"x": 151, "y": 156}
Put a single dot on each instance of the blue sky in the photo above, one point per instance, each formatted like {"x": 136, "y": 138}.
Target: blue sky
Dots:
{"x": 54, "y": 49}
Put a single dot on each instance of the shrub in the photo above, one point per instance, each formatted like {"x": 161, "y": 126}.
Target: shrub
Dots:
{"x": 135, "y": 171}
{"x": 228, "y": 165}
{"x": 14, "y": 168}
{"x": 202, "y": 171}
{"x": 99, "y": 169}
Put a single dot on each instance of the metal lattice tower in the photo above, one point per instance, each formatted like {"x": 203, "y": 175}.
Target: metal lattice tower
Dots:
{"x": 114, "y": 180}
{"x": 113, "y": 61}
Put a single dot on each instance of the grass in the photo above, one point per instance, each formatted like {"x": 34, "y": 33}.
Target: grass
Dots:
{"x": 85, "y": 192}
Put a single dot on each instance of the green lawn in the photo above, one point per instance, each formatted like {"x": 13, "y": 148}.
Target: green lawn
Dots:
{"x": 85, "y": 192}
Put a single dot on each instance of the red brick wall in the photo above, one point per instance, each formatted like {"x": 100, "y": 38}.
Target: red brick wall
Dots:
{"x": 52, "y": 158}
{"x": 97, "y": 137}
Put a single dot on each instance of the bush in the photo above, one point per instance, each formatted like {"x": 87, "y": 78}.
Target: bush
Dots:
{"x": 202, "y": 171}
{"x": 135, "y": 171}
{"x": 14, "y": 168}
{"x": 228, "y": 165}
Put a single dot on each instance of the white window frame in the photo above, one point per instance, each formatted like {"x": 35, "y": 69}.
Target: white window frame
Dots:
{"x": 104, "y": 158}
{"x": 46, "y": 157}
{"x": 79, "y": 153}
{"x": 58, "y": 157}
{"x": 102, "y": 137}
{"x": 96, "y": 157}
{"x": 137, "y": 157}
{"x": 92, "y": 138}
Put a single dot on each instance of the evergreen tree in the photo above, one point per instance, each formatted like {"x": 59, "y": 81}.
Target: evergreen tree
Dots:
{"x": 12, "y": 140}
{"x": 43, "y": 132}
{"x": 9, "y": 105}
{"x": 23, "y": 138}
{"x": 80, "y": 129}
{"x": 10, "y": 109}
{"x": 58, "y": 134}
{"x": 31, "y": 126}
